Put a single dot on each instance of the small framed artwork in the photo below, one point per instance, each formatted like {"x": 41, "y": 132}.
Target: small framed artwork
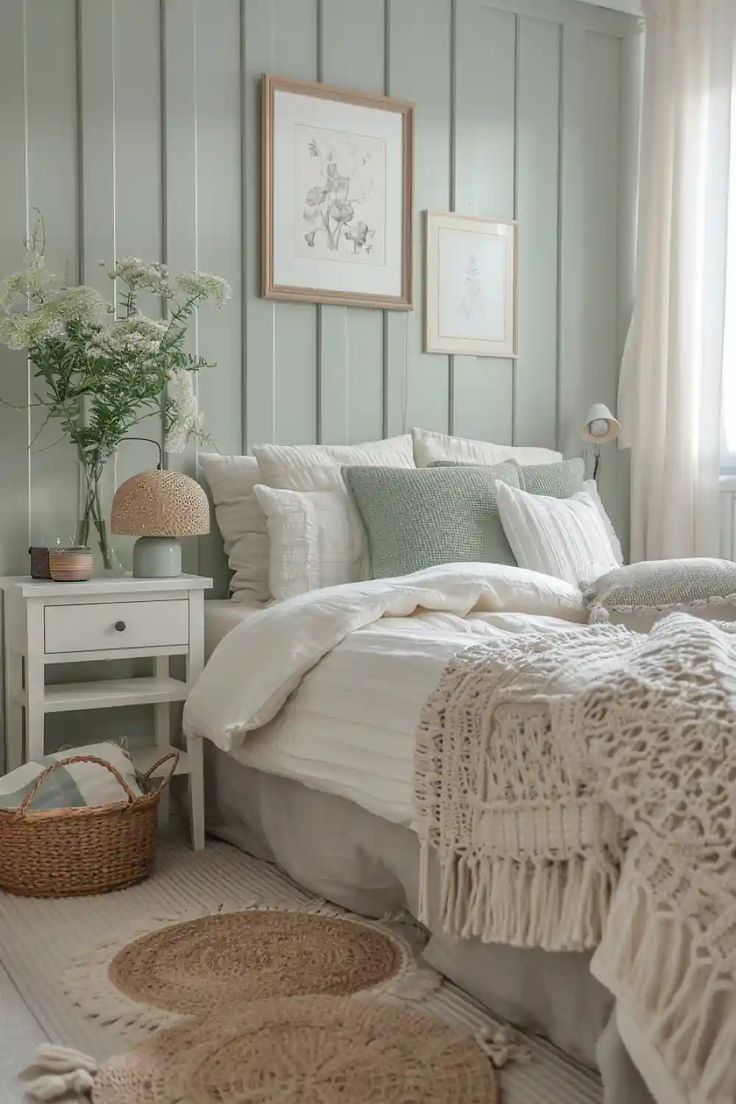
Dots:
{"x": 470, "y": 285}
{"x": 337, "y": 195}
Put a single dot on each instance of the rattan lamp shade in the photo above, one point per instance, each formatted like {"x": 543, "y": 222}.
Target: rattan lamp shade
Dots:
{"x": 160, "y": 504}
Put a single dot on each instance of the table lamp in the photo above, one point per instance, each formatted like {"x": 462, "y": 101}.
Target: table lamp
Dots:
{"x": 158, "y": 507}
{"x": 598, "y": 429}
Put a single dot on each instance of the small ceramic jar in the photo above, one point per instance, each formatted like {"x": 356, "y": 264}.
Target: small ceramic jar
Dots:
{"x": 70, "y": 565}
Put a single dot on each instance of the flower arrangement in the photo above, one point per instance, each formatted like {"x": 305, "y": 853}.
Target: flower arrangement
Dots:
{"x": 103, "y": 366}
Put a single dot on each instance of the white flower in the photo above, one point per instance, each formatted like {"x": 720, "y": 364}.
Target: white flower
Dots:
{"x": 141, "y": 274}
{"x": 186, "y": 420}
{"x": 20, "y": 331}
{"x": 34, "y": 279}
{"x": 79, "y": 304}
{"x": 137, "y": 336}
{"x": 205, "y": 286}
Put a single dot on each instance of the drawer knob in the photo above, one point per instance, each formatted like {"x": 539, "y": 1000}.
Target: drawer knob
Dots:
{"x": 120, "y": 626}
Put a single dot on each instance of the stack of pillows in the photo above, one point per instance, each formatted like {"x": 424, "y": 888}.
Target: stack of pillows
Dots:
{"x": 296, "y": 518}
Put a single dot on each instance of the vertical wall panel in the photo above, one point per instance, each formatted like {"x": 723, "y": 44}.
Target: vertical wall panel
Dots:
{"x": 14, "y": 486}
{"x": 279, "y": 37}
{"x": 53, "y": 189}
{"x": 219, "y": 233}
{"x": 419, "y": 70}
{"x": 351, "y": 363}
{"x": 538, "y": 103}
{"x": 590, "y": 346}
{"x": 485, "y": 78}
{"x": 180, "y": 192}
{"x": 138, "y": 183}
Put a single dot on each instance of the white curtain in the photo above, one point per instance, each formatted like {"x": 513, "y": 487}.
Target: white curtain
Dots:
{"x": 670, "y": 390}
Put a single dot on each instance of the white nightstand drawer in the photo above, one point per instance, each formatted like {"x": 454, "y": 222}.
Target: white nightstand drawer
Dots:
{"x": 105, "y": 626}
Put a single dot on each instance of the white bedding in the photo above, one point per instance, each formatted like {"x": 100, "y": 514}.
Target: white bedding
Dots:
{"x": 362, "y": 658}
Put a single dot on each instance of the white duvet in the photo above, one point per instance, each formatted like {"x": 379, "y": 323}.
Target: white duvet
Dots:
{"x": 326, "y": 688}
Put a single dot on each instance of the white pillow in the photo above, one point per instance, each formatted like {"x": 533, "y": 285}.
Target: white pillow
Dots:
{"x": 317, "y": 467}
{"x": 591, "y": 487}
{"x": 429, "y": 447}
{"x": 564, "y": 537}
{"x": 316, "y": 539}
{"x": 241, "y": 522}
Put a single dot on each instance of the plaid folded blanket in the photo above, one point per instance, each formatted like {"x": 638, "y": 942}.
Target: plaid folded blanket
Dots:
{"x": 70, "y": 787}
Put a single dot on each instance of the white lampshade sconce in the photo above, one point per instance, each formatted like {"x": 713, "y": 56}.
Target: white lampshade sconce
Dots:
{"x": 598, "y": 429}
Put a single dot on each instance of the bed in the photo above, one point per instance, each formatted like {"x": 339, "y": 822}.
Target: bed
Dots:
{"x": 325, "y": 787}
{"x": 379, "y": 590}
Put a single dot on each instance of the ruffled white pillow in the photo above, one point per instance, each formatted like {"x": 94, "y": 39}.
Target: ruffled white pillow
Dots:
{"x": 431, "y": 447}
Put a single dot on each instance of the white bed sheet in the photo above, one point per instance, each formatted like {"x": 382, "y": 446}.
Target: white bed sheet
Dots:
{"x": 350, "y": 727}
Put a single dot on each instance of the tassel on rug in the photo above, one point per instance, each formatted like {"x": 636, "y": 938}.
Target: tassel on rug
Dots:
{"x": 501, "y": 1048}
{"x": 59, "y": 1073}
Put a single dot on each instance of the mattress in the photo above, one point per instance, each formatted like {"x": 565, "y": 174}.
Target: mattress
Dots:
{"x": 350, "y": 730}
{"x": 220, "y": 616}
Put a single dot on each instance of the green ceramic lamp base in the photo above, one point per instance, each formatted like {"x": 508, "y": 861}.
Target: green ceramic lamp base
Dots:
{"x": 156, "y": 558}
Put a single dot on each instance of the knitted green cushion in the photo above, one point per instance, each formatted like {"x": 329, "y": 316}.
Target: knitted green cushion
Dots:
{"x": 560, "y": 480}
{"x": 659, "y": 585}
{"x": 417, "y": 518}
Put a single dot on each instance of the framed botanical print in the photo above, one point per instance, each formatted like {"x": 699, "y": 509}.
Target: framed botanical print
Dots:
{"x": 470, "y": 285}
{"x": 337, "y": 195}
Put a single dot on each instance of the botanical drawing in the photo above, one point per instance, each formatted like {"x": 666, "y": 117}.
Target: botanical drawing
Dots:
{"x": 340, "y": 195}
{"x": 471, "y": 285}
{"x": 474, "y": 302}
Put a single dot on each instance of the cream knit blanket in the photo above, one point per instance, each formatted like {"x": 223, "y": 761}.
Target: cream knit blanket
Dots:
{"x": 579, "y": 790}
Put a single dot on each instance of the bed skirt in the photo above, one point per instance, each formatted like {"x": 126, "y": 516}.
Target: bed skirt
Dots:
{"x": 338, "y": 850}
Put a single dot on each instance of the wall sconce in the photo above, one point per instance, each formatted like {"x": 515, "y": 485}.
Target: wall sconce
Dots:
{"x": 598, "y": 429}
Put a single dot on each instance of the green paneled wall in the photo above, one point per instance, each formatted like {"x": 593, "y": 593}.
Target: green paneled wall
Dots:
{"x": 134, "y": 126}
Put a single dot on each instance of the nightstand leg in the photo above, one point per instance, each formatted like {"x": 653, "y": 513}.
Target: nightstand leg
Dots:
{"x": 34, "y": 710}
{"x": 13, "y": 710}
{"x": 162, "y": 736}
{"x": 195, "y": 754}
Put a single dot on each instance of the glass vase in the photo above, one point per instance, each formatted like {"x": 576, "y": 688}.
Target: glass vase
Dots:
{"x": 93, "y": 526}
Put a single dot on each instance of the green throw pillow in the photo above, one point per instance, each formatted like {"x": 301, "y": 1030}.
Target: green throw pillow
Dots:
{"x": 421, "y": 517}
{"x": 560, "y": 480}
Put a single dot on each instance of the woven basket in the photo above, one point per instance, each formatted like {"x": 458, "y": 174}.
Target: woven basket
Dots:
{"x": 72, "y": 852}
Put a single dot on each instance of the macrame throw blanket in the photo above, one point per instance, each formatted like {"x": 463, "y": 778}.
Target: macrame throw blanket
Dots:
{"x": 578, "y": 789}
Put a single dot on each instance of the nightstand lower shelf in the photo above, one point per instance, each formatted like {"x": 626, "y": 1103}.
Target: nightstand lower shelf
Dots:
{"x": 109, "y": 693}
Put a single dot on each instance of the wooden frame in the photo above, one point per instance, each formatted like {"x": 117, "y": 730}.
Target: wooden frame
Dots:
{"x": 437, "y": 337}
{"x": 270, "y": 85}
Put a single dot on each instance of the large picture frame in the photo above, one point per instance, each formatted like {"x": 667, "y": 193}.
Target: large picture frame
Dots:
{"x": 471, "y": 285}
{"x": 337, "y": 192}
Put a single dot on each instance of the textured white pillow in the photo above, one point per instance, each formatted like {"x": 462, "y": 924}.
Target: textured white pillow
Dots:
{"x": 564, "y": 537}
{"x": 241, "y": 522}
{"x": 591, "y": 487}
{"x": 316, "y": 539}
{"x": 317, "y": 467}
{"x": 429, "y": 447}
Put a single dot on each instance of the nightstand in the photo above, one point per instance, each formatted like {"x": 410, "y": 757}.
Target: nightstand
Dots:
{"x": 104, "y": 619}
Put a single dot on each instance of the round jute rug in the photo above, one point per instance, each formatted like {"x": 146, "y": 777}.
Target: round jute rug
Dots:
{"x": 147, "y": 980}
{"x": 304, "y": 1050}
{"x": 217, "y": 961}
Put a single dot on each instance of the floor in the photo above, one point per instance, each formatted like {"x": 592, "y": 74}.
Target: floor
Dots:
{"x": 37, "y": 938}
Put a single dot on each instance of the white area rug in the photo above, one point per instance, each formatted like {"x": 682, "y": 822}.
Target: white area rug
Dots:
{"x": 38, "y": 938}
